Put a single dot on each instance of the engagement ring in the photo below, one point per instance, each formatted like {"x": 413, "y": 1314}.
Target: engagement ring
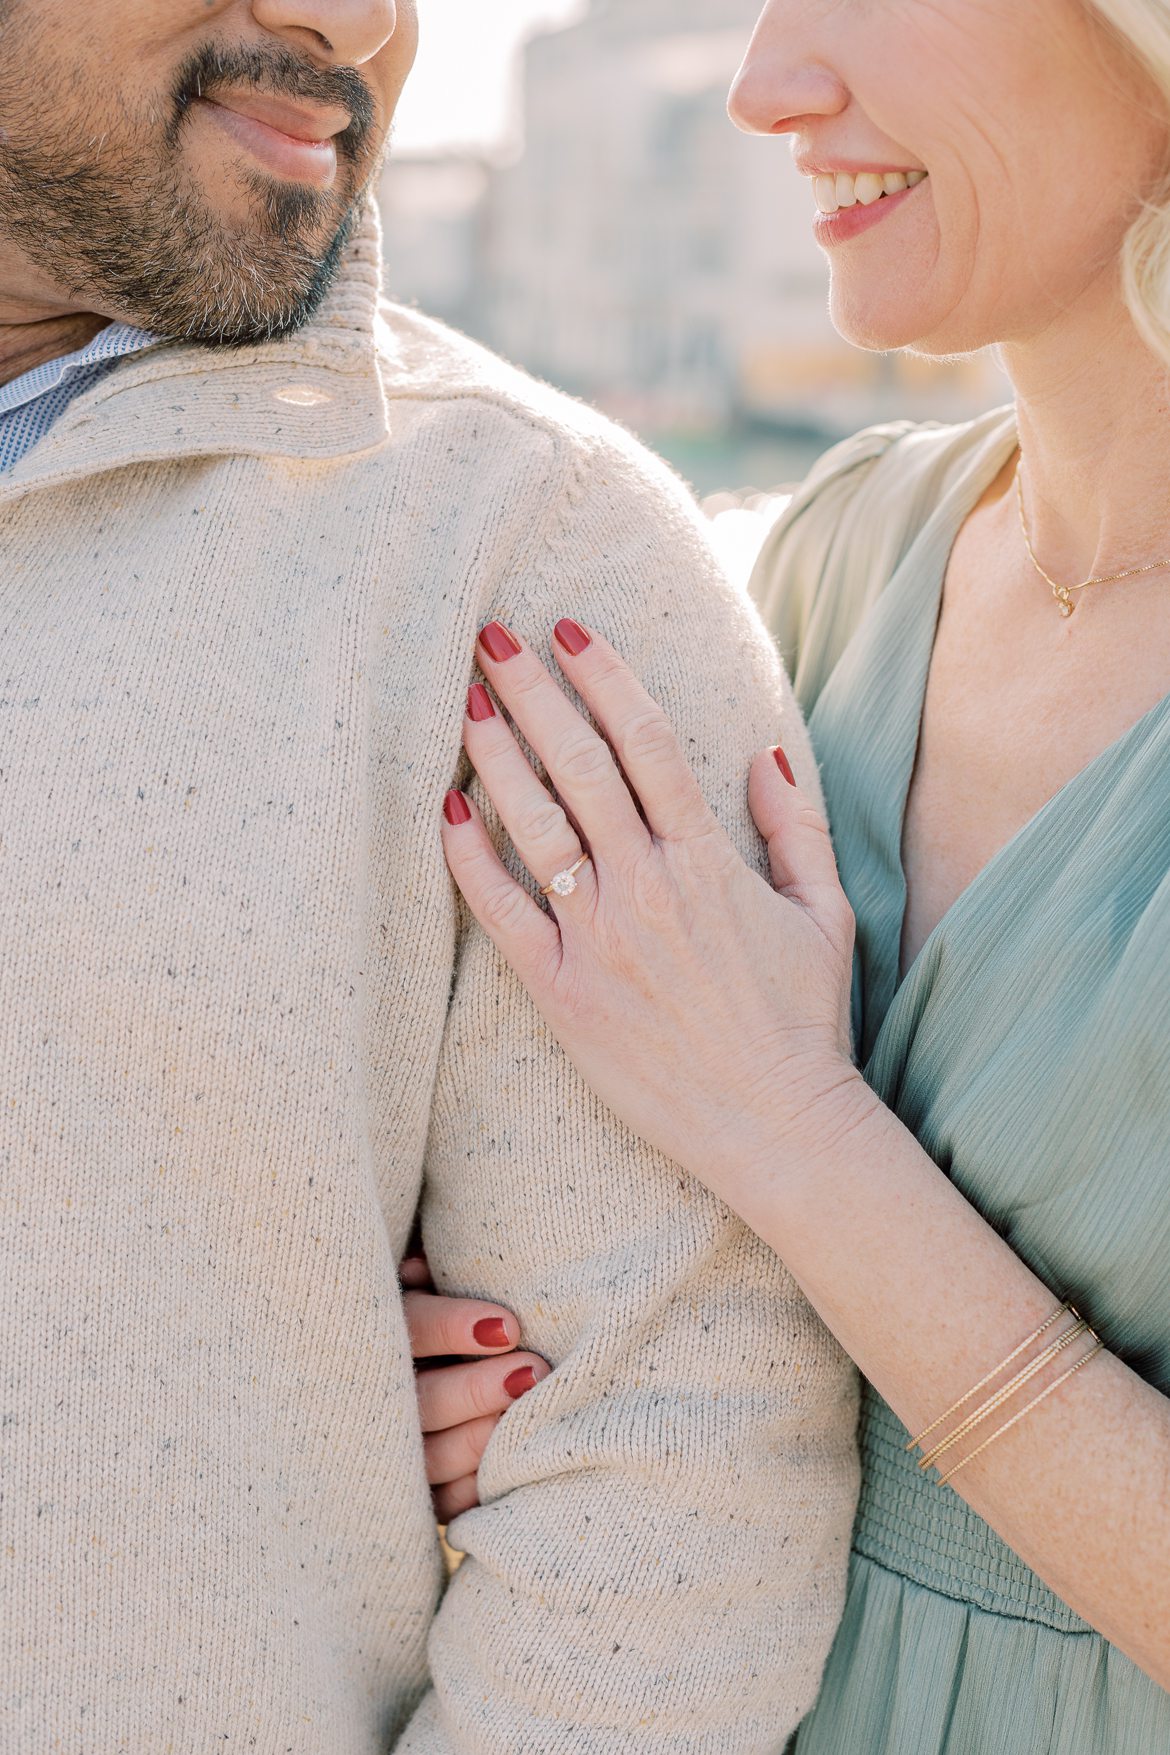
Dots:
{"x": 565, "y": 882}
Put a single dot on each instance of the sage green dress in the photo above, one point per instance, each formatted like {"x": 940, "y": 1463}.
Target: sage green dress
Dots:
{"x": 1028, "y": 1048}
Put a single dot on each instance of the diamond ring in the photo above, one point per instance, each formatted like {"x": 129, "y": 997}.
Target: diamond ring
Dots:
{"x": 565, "y": 882}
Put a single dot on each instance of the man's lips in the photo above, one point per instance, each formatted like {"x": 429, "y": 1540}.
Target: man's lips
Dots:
{"x": 313, "y": 123}
{"x": 292, "y": 142}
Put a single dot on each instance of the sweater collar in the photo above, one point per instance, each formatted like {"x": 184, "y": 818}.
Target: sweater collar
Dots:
{"x": 314, "y": 395}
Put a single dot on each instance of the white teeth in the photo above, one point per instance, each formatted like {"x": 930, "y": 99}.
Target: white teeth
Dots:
{"x": 825, "y": 193}
{"x": 832, "y": 193}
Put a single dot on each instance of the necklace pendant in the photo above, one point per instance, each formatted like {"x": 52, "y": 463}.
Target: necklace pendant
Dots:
{"x": 1064, "y": 593}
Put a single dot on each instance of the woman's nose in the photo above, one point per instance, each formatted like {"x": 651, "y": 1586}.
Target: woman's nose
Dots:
{"x": 782, "y": 81}
{"x": 346, "y": 33}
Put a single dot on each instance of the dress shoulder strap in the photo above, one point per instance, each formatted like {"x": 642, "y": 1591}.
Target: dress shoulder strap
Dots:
{"x": 846, "y": 530}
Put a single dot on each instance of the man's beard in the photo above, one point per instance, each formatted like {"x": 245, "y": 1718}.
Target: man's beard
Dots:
{"x": 120, "y": 223}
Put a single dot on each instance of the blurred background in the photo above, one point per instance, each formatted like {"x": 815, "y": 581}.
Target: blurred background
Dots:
{"x": 566, "y": 187}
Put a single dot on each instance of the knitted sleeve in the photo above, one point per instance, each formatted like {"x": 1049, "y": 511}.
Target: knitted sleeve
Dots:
{"x": 658, "y": 1563}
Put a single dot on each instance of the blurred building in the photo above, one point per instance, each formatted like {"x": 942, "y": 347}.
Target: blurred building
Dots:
{"x": 645, "y": 254}
{"x": 435, "y": 214}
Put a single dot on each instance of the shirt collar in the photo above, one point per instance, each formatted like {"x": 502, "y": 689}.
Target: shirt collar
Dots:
{"x": 113, "y": 342}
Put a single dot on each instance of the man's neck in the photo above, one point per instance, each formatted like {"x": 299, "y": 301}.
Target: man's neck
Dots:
{"x": 26, "y": 345}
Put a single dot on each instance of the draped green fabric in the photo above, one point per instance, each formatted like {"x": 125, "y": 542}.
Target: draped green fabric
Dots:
{"x": 1028, "y": 1047}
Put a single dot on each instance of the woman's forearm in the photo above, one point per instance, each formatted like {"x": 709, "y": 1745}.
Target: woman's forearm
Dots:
{"x": 711, "y": 1013}
{"x": 927, "y": 1298}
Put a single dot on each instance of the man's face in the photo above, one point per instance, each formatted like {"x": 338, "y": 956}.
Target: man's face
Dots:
{"x": 193, "y": 166}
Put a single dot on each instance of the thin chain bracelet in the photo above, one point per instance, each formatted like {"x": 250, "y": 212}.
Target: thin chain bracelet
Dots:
{"x": 1016, "y": 1418}
{"x": 993, "y": 1404}
{"x": 992, "y": 1375}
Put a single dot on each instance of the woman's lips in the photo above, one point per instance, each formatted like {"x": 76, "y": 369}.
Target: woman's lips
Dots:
{"x": 295, "y": 159}
{"x": 848, "y": 222}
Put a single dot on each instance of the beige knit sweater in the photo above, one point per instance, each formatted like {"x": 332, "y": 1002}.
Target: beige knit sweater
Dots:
{"x": 245, "y": 1029}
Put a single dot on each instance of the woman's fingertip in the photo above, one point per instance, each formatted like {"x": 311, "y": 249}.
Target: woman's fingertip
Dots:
{"x": 499, "y": 642}
{"x": 518, "y": 1383}
{"x": 414, "y": 1271}
{"x": 571, "y": 637}
{"x": 479, "y": 704}
{"x": 491, "y": 1332}
{"x": 456, "y": 809}
{"x": 784, "y": 765}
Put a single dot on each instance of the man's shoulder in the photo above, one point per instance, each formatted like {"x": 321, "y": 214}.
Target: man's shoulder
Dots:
{"x": 422, "y": 359}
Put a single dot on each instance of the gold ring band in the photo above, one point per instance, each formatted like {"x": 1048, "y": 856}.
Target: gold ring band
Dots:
{"x": 565, "y": 882}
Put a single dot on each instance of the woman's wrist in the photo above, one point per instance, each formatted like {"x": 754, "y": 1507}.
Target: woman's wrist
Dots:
{"x": 836, "y": 1111}
{"x": 820, "y": 1115}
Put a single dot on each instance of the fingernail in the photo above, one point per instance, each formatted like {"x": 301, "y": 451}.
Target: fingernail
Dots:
{"x": 498, "y": 643}
{"x": 518, "y": 1383}
{"x": 572, "y": 636}
{"x": 492, "y": 1331}
{"x": 784, "y": 765}
{"x": 479, "y": 703}
{"x": 455, "y": 809}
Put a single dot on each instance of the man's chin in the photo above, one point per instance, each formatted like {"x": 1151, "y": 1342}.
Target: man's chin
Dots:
{"x": 247, "y": 204}
{"x": 265, "y": 282}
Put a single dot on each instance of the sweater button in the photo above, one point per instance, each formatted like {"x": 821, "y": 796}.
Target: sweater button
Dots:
{"x": 302, "y": 395}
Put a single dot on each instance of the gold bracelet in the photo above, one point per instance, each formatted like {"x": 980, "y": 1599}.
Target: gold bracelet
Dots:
{"x": 1034, "y": 1403}
{"x": 1008, "y": 1390}
{"x": 992, "y": 1375}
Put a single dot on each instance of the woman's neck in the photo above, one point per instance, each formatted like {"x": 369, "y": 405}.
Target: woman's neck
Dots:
{"x": 1093, "y": 405}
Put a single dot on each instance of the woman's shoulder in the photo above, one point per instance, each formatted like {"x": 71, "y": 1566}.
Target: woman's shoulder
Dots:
{"x": 848, "y": 527}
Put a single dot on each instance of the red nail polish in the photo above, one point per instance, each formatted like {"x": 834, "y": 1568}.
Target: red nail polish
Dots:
{"x": 784, "y": 765}
{"x": 572, "y": 636}
{"x": 492, "y": 1331}
{"x": 455, "y": 809}
{"x": 479, "y": 703}
{"x": 498, "y": 643}
{"x": 518, "y": 1383}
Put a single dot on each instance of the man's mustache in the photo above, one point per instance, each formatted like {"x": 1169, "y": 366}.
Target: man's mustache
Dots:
{"x": 280, "y": 74}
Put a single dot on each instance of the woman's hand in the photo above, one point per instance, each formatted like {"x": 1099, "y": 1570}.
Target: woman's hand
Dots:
{"x": 705, "y": 1008}
{"x": 461, "y": 1402}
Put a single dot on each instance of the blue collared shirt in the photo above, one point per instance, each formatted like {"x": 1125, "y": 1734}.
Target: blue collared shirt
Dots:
{"x": 32, "y": 402}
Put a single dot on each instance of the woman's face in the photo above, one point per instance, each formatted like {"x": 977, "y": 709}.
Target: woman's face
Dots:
{"x": 1037, "y": 133}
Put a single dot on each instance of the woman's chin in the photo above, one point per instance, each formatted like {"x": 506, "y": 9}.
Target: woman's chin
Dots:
{"x": 897, "y": 322}
{"x": 879, "y": 325}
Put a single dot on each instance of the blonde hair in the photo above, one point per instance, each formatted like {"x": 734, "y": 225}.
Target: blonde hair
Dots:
{"x": 1143, "y": 26}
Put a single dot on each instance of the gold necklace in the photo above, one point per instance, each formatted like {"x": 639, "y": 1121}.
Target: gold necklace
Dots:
{"x": 1064, "y": 593}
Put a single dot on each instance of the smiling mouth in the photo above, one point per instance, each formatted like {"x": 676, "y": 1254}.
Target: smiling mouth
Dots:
{"x": 863, "y": 189}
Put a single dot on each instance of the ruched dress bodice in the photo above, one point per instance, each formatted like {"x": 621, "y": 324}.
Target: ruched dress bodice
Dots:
{"x": 1028, "y": 1048}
